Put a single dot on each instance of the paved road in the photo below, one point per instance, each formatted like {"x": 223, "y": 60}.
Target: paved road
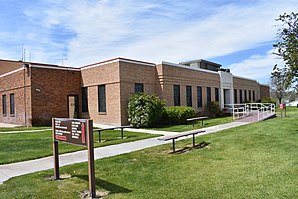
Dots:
{"x": 17, "y": 169}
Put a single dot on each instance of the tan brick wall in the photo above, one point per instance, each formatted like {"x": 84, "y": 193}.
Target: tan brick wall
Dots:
{"x": 131, "y": 73}
{"x": 105, "y": 74}
{"x": 248, "y": 85}
{"x": 50, "y": 90}
{"x": 168, "y": 76}
{"x": 17, "y": 83}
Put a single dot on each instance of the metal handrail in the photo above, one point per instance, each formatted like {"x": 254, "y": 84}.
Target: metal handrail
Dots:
{"x": 241, "y": 110}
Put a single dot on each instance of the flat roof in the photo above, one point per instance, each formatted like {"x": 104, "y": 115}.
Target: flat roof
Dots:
{"x": 201, "y": 60}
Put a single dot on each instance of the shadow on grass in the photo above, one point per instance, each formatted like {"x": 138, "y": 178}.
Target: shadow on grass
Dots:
{"x": 110, "y": 187}
{"x": 187, "y": 149}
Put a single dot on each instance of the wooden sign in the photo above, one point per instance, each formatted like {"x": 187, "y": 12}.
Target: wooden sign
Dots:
{"x": 79, "y": 132}
{"x": 70, "y": 130}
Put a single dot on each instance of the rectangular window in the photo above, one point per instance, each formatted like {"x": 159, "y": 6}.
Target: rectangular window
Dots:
{"x": 253, "y": 96}
{"x": 241, "y": 96}
{"x": 208, "y": 94}
{"x": 12, "y": 109}
{"x": 235, "y": 96}
{"x": 216, "y": 94}
{"x": 102, "y": 98}
{"x": 4, "y": 110}
{"x": 188, "y": 96}
{"x": 84, "y": 99}
{"x": 139, "y": 88}
{"x": 245, "y": 95}
{"x": 199, "y": 96}
{"x": 249, "y": 95}
{"x": 176, "y": 95}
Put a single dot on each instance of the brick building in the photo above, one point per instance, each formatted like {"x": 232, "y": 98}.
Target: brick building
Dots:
{"x": 33, "y": 93}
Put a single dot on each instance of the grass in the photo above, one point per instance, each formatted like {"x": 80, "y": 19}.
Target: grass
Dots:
{"x": 31, "y": 145}
{"x": 198, "y": 125}
{"x": 6, "y": 129}
{"x": 252, "y": 161}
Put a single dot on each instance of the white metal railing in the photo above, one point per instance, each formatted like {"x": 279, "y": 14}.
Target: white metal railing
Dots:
{"x": 243, "y": 110}
{"x": 237, "y": 110}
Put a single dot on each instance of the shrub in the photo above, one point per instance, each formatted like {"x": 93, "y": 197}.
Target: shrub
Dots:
{"x": 144, "y": 110}
{"x": 177, "y": 114}
{"x": 268, "y": 100}
{"x": 213, "y": 110}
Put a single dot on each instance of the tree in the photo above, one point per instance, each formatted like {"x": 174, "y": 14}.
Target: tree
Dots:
{"x": 278, "y": 83}
{"x": 287, "y": 46}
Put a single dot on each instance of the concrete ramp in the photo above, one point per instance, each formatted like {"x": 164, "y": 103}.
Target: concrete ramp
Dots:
{"x": 254, "y": 117}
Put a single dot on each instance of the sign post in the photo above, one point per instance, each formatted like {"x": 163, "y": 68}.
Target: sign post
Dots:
{"x": 282, "y": 107}
{"x": 78, "y": 132}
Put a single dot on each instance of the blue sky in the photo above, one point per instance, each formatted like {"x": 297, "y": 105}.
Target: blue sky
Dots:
{"x": 235, "y": 33}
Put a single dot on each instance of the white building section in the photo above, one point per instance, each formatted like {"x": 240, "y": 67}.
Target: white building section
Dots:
{"x": 226, "y": 88}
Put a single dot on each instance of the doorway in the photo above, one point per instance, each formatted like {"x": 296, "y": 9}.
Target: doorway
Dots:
{"x": 73, "y": 106}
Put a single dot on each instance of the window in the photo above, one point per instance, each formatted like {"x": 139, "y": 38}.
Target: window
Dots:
{"x": 139, "y": 88}
{"x": 12, "y": 110}
{"x": 84, "y": 99}
{"x": 188, "y": 96}
{"x": 216, "y": 94}
{"x": 253, "y": 96}
{"x": 235, "y": 96}
{"x": 199, "y": 96}
{"x": 176, "y": 95}
{"x": 241, "y": 96}
{"x": 245, "y": 95}
{"x": 208, "y": 94}
{"x": 4, "y": 110}
{"x": 249, "y": 95}
{"x": 102, "y": 98}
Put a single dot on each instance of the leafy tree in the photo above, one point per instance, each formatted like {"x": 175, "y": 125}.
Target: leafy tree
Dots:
{"x": 278, "y": 83}
{"x": 287, "y": 46}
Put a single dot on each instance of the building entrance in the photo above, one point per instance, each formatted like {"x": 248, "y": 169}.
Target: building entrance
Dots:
{"x": 73, "y": 106}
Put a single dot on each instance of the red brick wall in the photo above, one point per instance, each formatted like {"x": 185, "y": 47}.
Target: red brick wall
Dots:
{"x": 264, "y": 91}
{"x": 50, "y": 90}
{"x": 17, "y": 83}
{"x": 7, "y": 66}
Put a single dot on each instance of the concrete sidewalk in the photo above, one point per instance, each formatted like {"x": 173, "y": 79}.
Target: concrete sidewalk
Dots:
{"x": 20, "y": 168}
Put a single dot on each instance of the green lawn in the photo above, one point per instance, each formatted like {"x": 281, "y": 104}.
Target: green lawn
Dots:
{"x": 23, "y": 146}
{"x": 24, "y": 128}
{"x": 252, "y": 161}
{"x": 198, "y": 125}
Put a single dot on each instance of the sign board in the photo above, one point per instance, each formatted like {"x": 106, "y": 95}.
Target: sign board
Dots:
{"x": 74, "y": 131}
{"x": 281, "y": 106}
{"x": 70, "y": 130}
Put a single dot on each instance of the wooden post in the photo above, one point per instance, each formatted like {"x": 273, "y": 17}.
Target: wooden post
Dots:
{"x": 91, "y": 170}
{"x": 55, "y": 153}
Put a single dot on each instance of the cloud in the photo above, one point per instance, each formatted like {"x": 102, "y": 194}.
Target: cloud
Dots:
{"x": 154, "y": 30}
{"x": 257, "y": 66}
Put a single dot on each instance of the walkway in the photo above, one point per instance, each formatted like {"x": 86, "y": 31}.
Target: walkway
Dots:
{"x": 253, "y": 117}
{"x": 21, "y": 168}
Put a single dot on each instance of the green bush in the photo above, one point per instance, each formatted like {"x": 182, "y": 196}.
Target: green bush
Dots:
{"x": 144, "y": 110}
{"x": 214, "y": 110}
{"x": 177, "y": 114}
{"x": 268, "y": 100}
